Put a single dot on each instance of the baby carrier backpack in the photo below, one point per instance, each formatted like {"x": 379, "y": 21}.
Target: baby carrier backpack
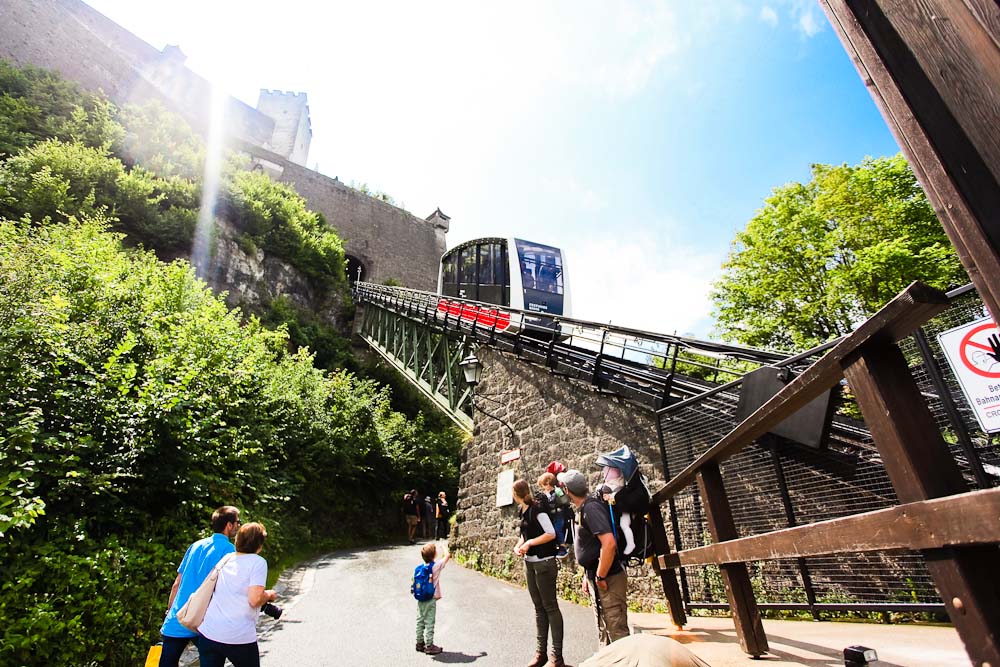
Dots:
{"x": 423, "y": 582}
{"x": 632, "y": 498}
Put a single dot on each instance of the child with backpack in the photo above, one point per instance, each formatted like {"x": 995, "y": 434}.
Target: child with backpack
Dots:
{"x": 427, "y": 590}
{"x": 559, "y": 509}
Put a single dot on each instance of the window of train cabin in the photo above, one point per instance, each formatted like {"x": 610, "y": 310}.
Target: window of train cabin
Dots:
{"x": 541, "y": 267}
{"x": 502, "y": 272}
{"x": 467, "y": 273}
{"x": 450, "y": 277}
{"x": 486, "y": 264}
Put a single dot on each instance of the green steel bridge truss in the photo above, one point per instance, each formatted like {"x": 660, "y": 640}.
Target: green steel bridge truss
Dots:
{"x": 426, "y": 355}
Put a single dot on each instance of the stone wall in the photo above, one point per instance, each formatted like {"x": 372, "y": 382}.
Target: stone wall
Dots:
{"x": 84, "y": 46}
{"x": 389, "y": 242}
{"x": 555, "y": 420}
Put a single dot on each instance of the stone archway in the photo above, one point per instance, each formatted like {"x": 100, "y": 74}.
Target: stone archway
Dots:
{"x": 356, "y": 269}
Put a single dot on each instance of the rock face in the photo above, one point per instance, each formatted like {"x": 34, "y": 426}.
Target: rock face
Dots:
{"x": 252, "y": 278}
{"x": 555, "y": 421}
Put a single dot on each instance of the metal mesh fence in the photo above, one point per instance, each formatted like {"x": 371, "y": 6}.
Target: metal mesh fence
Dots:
{"x": 775, "y": 483}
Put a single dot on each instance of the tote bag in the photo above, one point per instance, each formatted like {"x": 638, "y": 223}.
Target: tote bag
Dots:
{"x": 193, "y": 612}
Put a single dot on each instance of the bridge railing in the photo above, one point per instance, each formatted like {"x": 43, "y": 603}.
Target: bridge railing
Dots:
{"x": 955, "y": 531}
{"x": 648, "y": 368}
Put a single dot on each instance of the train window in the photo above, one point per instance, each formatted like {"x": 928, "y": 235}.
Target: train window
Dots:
{"x": 500, "y": 264}
{"x": 486, "y": 264}
{"x": 450, "y": 262}
{"x": 467, "y": 266}
{"x": 541, "y": 266}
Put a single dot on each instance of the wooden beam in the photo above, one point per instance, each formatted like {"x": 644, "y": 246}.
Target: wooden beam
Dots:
{"x": 931, "y": 67}
{"x": 964, "y": 519}
{"x": 910, "y": 309}
{"x": 739, "y": 591}
{"x": 920, "y": 467}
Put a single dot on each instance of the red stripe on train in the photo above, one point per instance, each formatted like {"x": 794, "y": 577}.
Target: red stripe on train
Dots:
{"x": 487, "y": 317}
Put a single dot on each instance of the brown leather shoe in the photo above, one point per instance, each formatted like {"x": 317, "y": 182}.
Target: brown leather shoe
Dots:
{"x": 555, "y": 661}
{"x": 539, "y": 660}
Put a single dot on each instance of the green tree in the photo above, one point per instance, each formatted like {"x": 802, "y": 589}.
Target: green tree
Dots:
{"x": 820, "y": 257}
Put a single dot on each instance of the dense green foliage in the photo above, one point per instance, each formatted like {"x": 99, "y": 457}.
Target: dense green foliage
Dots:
{"x": 74, "y": 153}
{"x": 134, "y": 401}
{"x": 820, "y": 257}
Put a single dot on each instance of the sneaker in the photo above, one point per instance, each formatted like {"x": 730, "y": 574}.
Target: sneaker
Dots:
{"x": 420, "y": 647}
{"x": 432, "y": 649}
{"x": 561, "y": 552}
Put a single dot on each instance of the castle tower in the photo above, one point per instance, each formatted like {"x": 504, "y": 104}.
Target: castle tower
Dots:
{"x": 292, "y": 129}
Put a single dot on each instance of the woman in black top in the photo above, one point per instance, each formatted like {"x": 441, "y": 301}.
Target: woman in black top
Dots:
{"x": 441, "y": 513}
{"x": 538, "y": 548}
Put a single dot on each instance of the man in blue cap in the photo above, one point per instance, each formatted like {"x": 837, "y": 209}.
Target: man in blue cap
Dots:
{"x": 199, "y": 559}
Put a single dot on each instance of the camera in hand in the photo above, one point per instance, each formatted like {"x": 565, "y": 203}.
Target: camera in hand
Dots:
{"x": 272, "y": 610}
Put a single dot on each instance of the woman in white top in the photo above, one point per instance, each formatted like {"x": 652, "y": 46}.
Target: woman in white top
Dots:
{"x": 538, "y": 548}
{"x": 230, "y": 626}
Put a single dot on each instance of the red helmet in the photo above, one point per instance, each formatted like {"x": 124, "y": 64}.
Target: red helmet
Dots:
{"x": 555, "y": 468}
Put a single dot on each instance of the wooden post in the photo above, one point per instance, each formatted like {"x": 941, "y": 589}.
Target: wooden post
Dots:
{"x": 739, "y": 592}
{"x": 921, "y": 467}
{"x": 668, "y": 577}
{"x": 933, "y": 69}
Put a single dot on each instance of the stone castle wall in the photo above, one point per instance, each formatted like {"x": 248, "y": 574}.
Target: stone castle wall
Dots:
{"x": 389, "y": 242}
{"x": 556, "y": 420}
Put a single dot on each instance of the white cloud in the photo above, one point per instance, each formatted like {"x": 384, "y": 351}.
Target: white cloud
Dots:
{"x": 641, "y": 282}
{"x": 769, "y": 16}
{"x": 809, "y": 24}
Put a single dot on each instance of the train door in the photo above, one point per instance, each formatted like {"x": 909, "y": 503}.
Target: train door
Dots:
{"x": 468, "y": 273}
{"x": 491, "y": 273}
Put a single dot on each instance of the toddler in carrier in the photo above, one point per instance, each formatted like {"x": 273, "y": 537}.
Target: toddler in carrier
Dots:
{"x": 558, "y": 504}
{"x": 624, "y": 489}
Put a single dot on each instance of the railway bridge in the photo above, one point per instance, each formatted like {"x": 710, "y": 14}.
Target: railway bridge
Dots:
{"x": 772, "y": 491}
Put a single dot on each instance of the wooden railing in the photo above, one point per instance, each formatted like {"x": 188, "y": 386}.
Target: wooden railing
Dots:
{"x": 955, "y": 530}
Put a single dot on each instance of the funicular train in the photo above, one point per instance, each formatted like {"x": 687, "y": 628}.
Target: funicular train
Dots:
{"x": 506, "y": 272}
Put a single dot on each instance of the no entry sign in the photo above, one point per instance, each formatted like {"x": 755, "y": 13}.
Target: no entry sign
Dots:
{"x": 973, "y": 352}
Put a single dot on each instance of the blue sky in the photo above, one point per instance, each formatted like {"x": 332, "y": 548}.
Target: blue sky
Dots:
{"x": 639, "y": 136}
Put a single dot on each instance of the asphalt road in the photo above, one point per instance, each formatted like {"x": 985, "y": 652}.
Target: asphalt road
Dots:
{"x": 355, "y": 608}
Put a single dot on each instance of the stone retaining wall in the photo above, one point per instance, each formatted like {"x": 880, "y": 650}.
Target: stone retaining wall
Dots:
{"x": 554, "y": 420}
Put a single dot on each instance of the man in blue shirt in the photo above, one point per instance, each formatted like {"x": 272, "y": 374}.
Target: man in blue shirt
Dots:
{"x": 198, "y": 562}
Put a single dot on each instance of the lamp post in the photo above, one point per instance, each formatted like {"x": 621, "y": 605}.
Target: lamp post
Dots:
{"x": 472, "y": 368}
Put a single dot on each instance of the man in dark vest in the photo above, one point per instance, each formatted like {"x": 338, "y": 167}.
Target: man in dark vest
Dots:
{"x": 604, "y": 581}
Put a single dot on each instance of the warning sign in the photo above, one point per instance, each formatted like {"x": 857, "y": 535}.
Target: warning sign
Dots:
{"x": 973, "y": 352}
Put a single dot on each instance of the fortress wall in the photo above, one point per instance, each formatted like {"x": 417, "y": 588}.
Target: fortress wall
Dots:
{"x": 556, "y": 420}
{"x": 390, "y": 242}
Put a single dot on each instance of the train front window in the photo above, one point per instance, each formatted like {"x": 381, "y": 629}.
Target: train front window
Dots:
{"x": 541, "y": 267}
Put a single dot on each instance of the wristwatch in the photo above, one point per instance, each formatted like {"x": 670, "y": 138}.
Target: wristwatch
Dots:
{"x": 598, "y": 577}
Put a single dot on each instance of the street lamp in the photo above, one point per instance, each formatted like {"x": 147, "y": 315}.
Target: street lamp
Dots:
{"x": 472, "y": 368}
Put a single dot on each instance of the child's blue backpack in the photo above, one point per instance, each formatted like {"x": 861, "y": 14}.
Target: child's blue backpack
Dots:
{"x": 423, "y": 582}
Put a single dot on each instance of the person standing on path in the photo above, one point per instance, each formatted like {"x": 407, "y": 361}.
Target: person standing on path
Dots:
{"x": 229, "y": 630}
{"x": 199, "y": 559}
{"x": 442, "y": 514}
{"x": 605, "y": 581}
{"x": 537, "y": 546}
{"x": 411, "y": 511}
{"x": 427, "y": 609}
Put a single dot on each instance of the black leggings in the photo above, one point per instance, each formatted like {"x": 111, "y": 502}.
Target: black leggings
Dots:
{"x": 214, "y": 654}
{"x": 541, "y": 578}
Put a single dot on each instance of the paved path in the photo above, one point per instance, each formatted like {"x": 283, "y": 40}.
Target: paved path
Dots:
{"x": 355, "y": 608}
